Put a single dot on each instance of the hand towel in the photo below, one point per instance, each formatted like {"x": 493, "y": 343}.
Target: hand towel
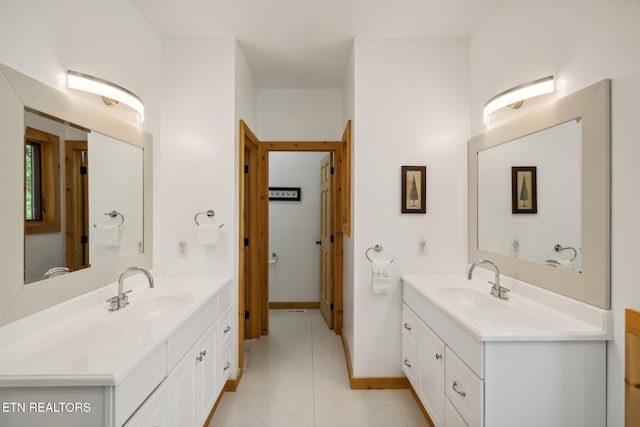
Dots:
{"x": 107, "y": 235}
{"x": 208, "y": 234}
{"x": 381, "y": 276}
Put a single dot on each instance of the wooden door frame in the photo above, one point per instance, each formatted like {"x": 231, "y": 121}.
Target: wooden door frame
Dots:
{"x": 258, "y": 233}
{"x": 74, "y": 229}
{"x": 334, "y": 147}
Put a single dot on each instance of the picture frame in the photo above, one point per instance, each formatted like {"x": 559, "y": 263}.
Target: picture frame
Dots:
{"x": 414, "y": 189}
{"x": 524, "y": 194}
{"x": 286, "y": 194}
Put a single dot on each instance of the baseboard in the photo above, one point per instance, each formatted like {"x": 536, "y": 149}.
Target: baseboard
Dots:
{"x": 232, "y": 385}
{"x": 213, "y": 410}
{"x": 422, "y": 408}
{"x": 366, "y": 383}
{"x": 277, "y": 305}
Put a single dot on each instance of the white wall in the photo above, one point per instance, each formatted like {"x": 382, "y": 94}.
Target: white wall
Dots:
{"x": 300, "y": 115}
{"x": 198, "y": 151}
{"x": 348, "y": 303}
{"x": 580, "y": 43}
{"x": 411, "y": 108}
{"x": 294, "y": 228}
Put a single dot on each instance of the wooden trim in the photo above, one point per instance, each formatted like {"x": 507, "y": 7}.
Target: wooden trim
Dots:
{"x": 302, "y": 146}
{"x": 346, "y": 180}
{"x": 232, "y": 385}
{"x": 50, "y": 170}
{"x": 213, "y": 410}
{"x": 632, "y": 321}
{"x": 422, "y": 408}
{"x": 368, "y": 383}
{"x": 77, "y": 209}
{"x": 283, "y": 305}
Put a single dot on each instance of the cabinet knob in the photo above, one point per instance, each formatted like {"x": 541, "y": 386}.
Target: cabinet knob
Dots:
{"x": 438, "y": 356}
{"x": 199, "y": 358}
{"x": 406, "y": 363}
{"x": 204, "y": 352}
{"x": 407, "y": 327}
{"x": 227, "y": 329}
{"x": 454, "y": 386}
{"x": 226, "y": 366}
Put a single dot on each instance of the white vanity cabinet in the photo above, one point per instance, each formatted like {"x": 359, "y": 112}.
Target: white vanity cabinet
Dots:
{"x": 465, "y": 378}
{"x": 423, "y": 363}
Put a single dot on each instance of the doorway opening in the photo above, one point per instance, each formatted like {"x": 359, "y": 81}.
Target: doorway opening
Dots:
{"x": 254, "y": 255}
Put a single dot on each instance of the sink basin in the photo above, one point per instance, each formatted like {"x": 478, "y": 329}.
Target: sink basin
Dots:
{"x": 470, "y": 298}
{"x": 140, "y": 319}
{"x": 157, "y": 305}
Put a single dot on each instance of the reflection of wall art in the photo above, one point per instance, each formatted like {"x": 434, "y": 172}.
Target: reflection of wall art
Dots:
{"x": 291, "y": 194}
{"x": 414, "y": 189}
{"x": 524, "y": 197}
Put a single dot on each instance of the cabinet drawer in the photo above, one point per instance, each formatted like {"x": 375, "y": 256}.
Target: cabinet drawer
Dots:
{"x": 225, "y": 329}
{"x": 225, "y": 366}
{"x": 451, "y": 416}
{"x": 464, "y": 389}
{"x": 410, "y": 322}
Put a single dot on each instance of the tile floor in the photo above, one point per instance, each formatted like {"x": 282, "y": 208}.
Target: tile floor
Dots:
{"x": 297, "y": 376}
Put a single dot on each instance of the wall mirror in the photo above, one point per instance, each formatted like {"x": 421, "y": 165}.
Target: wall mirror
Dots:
{"x": 556, "y": 159}
{"x": 76, "y": 196}
{"x": 91, "y": 184}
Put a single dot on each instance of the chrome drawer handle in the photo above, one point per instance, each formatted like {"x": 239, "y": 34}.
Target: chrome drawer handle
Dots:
{"x": 407, "y": 327}
{"x": 454, "y": 386}
{"x": 226, "y": 366}
{"x": 438, "y": 356}
{"x": 406, "y": 363}
{"x": 199, "y": 358}
{"x": 227, "y": 329}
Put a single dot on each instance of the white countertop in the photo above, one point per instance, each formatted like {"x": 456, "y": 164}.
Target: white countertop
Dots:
{"x": 530, "y": 313}
{"x": 80, "y": 342}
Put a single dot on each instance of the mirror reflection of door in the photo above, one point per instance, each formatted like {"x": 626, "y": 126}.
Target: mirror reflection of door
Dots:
{"x": 77, "y": 205}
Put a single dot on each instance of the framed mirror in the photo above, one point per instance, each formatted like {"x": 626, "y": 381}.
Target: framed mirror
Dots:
{"x": 77, "y": 196}
{"x": 556, "y": 159}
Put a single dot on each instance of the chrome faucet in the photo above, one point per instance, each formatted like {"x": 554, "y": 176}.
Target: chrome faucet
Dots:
{"x": 496, "y": 290}
{"x": 122, "y": 299}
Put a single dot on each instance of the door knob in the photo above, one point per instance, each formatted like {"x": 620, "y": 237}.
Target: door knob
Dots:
{"x": 318, "y": 242}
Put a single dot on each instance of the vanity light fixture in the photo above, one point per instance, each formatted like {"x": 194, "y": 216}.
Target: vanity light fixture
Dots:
{"x": 111, "y": 93}
{"x": 515, "y": 96}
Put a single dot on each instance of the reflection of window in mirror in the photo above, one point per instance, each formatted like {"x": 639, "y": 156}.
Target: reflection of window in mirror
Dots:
{"x": 42, "y": 195}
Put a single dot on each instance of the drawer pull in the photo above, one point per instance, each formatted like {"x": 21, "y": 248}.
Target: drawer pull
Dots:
{"x": 227, "y": 329}
{"x": 407, "y": 327}
{"x": 406, "y": 363}
{"x": 454, "y": 386}
{"x": 199, "y": 358}
{"x": 226, "y": 366}
{"x": 438, "y": 356}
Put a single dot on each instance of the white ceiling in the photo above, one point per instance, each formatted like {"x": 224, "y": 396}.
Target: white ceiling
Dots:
{"x": 305, "y": 44}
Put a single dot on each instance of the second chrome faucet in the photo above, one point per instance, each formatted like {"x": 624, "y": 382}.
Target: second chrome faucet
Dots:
{"x": 122, "y": 300}
{"x": 496, "y": 290}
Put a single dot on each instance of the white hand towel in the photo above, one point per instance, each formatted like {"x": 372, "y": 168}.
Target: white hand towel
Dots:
{"x": 107, "y": 235}
{"x": 208, "y": 234}
{"x": 381, "y": 276}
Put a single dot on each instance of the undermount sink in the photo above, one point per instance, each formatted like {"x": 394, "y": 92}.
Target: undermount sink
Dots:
{"x": 470, "y": 298}
{"x": 140, "y": 318}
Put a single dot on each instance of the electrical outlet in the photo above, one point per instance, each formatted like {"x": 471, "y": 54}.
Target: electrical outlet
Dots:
{"x": 422, "y": 247}
{"x": 182, "y": 249}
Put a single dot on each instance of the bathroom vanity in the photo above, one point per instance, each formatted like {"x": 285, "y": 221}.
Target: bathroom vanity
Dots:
{"x": 535, "y": 359}
{"x": 163, "y": 360}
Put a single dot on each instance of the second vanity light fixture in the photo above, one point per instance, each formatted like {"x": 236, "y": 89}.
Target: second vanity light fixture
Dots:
{"x": 111, "y": 93}
{"x": 515, "y": 96}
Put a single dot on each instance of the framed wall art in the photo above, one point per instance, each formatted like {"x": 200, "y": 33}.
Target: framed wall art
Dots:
{"x": 414, "y": 189}
{"x": 289, "y": 194}
{"x": 524, "y": 197}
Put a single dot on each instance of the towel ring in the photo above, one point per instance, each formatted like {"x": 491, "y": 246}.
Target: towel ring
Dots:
{"x": 210, "y": 214}
{"x": 114, "y": 214}
{"x": 559, "y": 248}
{"x": 376, "y": 248}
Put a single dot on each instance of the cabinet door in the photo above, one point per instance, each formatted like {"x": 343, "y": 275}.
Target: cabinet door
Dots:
{"x": 431, "y": 373}
{"x": 206, "y": 367}
{"x": 182, "y": 384}
{"x": 154, "y": 412}
{"x": 451, "y": 416}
